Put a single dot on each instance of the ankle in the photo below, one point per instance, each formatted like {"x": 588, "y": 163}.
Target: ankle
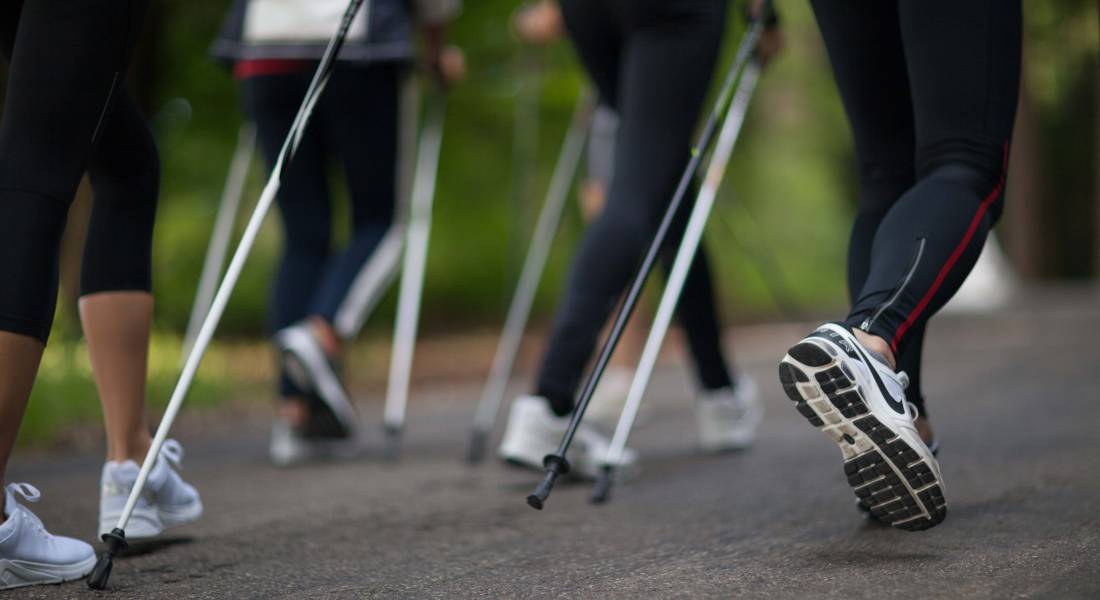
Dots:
{"x": 326, "y": 336}
{"x": 133, "y": 449}
{"x": 877, "y": 345}
{"x": 293, "y": 410}
{"x": 924, "y": 429}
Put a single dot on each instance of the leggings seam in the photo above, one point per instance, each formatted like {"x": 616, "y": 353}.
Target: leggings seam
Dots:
{"x": 951, "y": 260}
{"x": 867, "y": 323}
{"x": 60, "y": 201}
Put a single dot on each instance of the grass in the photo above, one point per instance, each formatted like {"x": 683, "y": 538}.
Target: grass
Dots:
{"x": 65, "y": 398}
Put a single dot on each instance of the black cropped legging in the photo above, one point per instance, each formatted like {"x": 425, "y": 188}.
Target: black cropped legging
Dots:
{"x": 652, "y": 61}
{"x": 930, "y": 89}
{"x": 66, "y": 113}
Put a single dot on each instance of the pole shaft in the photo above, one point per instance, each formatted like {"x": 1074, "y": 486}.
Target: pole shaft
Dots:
{"x": 223, "y": 231}
{"x": 412, "y": 274}
{"x": 693, "y": 236}
{"x": 545, "y": 229}
{"x": 748, "y": 43}
{"x": 236, "y": 265}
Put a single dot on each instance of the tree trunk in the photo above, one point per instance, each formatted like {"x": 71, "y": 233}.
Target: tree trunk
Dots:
{"x": 1023, "y": 221}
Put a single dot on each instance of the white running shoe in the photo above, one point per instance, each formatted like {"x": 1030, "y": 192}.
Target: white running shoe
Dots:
{"x": 29, "y": 554}
{"x": 313, "y": 371}
{"x": 534, "y": 431}
{"x": 859, "y": 402}
{"x": 727, "y": 418}
{"x": 166, "y": 501}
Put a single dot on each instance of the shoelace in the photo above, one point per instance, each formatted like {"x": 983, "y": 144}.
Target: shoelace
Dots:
{"x": 30, "y": 494}
{"x": 26, "y": 490}
{"x": 172, "y": 451}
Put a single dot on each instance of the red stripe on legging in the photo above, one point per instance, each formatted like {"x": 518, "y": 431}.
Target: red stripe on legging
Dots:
{"x": 954, "y": 256}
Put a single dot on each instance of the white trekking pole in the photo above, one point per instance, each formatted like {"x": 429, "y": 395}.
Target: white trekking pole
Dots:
{"x": 116, "y": 539}
{"x": 693, "y": 235}
{"x": 412, "y": 275}
{"x": 519, "y": 310}
{"x": 223, "y": 231}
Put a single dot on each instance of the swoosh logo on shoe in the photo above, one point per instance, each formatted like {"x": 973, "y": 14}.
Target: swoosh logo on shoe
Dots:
{"x": 854, "y": 350}
{"x": 894, "y": 403}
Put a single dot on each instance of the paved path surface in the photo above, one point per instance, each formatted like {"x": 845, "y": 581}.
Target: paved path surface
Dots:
{"x": 1015, "y": 397}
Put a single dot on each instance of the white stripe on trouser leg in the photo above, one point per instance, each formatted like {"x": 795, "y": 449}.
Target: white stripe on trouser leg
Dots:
{"x": 370, "y": 284}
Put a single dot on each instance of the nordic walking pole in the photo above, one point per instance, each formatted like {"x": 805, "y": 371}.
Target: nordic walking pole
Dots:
{"x": 520, "y": 309}
{"x": 412, "y": 275}
{"x": 223, "y": 231}
{"x": 116, "y": 539}
{"x": 689, "y": 245}
{"x": 556, "y": 464}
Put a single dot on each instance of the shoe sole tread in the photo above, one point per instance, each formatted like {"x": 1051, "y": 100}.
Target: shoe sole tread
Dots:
{"x": 889, "y": 477}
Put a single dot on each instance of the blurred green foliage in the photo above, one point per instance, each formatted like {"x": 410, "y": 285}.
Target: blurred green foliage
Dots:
{"x": 790, "y": 186}
{"x": 791, "y": 177}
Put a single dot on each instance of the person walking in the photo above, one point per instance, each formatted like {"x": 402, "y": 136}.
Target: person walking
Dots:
{"x": 651, "y": 63}
{"x": 273, "y": 46}
{"x": 67, "y": 113}
{"x": 930, "y": 91}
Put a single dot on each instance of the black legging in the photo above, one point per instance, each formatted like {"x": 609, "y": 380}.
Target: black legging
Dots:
{"x": 930, "y": 89}
{"x": 67, "y": 112}
{"x": 355, "y": 122}
{"x": 652, "y": 61}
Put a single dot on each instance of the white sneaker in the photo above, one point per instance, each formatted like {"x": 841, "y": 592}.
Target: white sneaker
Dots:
{"x": 727, "y": 418}
{"x": 29, "y": 554}
{"x": 859, "y": 402}
{"x": 166, "y": 501}
{"x": 534, "y": 431}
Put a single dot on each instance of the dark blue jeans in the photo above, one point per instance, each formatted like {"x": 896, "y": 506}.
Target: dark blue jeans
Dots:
{"x": 355, "y": 124}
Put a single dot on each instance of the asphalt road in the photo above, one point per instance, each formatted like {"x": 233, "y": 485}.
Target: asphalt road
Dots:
{"x": 1015, "y": 397}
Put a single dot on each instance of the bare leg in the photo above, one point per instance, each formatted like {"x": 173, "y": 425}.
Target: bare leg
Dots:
{"x": 116, "y": 325}
{"x": 19, "y": 358}
{"x": 326, "y": 335}
{"x": 295, "y": 409}
{"x": 878, "y": 345}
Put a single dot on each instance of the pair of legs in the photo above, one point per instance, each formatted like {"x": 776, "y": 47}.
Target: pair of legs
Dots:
{"x": 356, "y": 123}
{"x": 66, "y": 113}
{"x": 698, "y": 292}
{"x": 652, "y": 63}
{"x": 930, "y": 91}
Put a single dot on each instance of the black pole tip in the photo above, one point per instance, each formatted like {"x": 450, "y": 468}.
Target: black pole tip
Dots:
{"x": 555, "y": 465}
{"x": 535, "y": 501}
{"x": 101, "y": 573}
{"x": 392, "y": 450}
{"x": 97, "y": 579}
{"x": 602, "y": 490}
{"x": 476, "y": 453}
